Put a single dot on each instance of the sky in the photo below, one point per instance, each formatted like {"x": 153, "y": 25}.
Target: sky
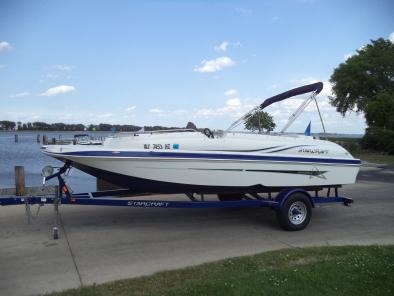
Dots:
{"x": 170, "y": 62}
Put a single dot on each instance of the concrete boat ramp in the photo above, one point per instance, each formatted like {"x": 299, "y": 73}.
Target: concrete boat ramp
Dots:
{"x": 100, "y": 244}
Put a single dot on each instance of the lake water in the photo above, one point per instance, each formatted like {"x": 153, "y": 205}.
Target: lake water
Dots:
{"x": 27, "y": 153}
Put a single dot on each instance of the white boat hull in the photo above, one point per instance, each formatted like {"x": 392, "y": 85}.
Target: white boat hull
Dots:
{"x": 212, "y": 171}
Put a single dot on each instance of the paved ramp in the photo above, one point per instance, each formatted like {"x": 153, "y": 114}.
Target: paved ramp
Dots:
{"x": 100, "y": 244}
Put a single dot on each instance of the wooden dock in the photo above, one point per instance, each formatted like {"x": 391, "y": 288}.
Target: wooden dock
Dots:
{"x": 20, "y": 190}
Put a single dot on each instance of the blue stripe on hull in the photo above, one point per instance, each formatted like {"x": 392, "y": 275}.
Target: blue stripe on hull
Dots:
{"x": 156, "y": 154}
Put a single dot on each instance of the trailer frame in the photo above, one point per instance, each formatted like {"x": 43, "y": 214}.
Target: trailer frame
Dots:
{"x": 63, "y": 195}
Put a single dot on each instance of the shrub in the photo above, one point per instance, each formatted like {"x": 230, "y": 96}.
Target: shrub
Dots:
{"x": 379, "y": 139}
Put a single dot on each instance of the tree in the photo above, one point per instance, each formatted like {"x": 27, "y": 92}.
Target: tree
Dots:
{"x": 191, "y": 125}
{"x": 380, "y": 111}
{"x": 7, "y": 125}
{"x": 365, "y": 83}
{"x": 104, "y": 127}
{"x": 260, "y": 121}
{"x": 364, "y": 76}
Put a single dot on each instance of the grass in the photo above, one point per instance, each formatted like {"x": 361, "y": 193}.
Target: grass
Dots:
{"x": 354, "y": 147}
{"x": 374, "y": 157}
{"x": 351, "y": 270}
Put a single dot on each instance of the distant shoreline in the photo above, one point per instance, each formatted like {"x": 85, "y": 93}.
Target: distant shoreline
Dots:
{"x": 330, "y": 135}
{"x": 7, "y": 125}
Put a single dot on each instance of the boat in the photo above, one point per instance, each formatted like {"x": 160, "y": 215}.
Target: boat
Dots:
{"x": 223, "y": 163}
{"x": 85, "y": 139}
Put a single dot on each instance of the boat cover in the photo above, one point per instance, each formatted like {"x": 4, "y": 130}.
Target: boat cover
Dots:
{"x": 316, "y": 87}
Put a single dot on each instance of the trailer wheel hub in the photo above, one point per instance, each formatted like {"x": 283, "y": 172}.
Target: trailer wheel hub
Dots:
{"x": 297, "y": 212}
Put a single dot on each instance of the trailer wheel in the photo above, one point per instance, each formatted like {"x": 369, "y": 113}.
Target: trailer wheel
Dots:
{"x": 295, "y": 213}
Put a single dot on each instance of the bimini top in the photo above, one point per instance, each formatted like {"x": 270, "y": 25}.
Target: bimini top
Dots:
{"x": 316, "y": 87}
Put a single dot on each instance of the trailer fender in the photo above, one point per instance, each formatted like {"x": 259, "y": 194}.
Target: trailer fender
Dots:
{"x": 286, "y": 193}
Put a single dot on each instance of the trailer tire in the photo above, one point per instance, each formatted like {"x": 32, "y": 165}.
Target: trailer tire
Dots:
{"x": 295, "y": 213}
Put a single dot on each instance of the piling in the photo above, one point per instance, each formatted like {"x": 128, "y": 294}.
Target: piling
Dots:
{"x": 54, "y": 141}
{"x": 38, "y": 138}
{"x": 19, "y": 180}
{"x": 45, "y": 140}
{"x": 16, "y": 138}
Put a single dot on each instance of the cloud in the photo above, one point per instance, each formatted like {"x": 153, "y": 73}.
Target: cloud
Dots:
{"x": 62, "y": 67}
{"x": 391, "y": 37}
{"x": 61, "y": 89}
{"x": 275, "y": 85}
{"x": 163, "y": 113}
{"x": 233, "y": 108}
{"x": 231, "y": 92}
{"x": 233, "y": 103}
{"x": 221, "y": 47}
{"x": 131, "y": 108}
{"x": 20, "y": 95}
{"x": 50, "y": 76}
{"x": 327, "y": 89}
{"x": 156, "y": 110}
{"x": 362, "y": 47}
{"x": 347, "y": 56}
{"x": 4, "y": 46}
{"x": 215, "y": 65}
{"x": 105, "y": 115}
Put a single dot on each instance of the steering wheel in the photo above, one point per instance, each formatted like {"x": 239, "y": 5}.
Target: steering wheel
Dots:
{"x": 208, "y": 133}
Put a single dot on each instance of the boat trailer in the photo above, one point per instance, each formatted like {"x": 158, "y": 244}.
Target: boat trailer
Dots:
{"x": 292, "y": 205}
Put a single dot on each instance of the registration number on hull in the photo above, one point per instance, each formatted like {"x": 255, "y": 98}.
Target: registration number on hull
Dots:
{"x": 161, "y": 146}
